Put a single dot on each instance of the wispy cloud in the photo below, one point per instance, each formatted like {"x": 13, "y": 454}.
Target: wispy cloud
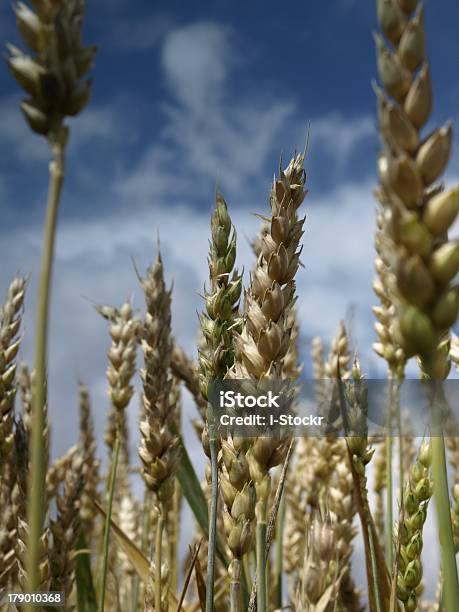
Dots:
{"x": 339, "y": 135}
{"x": 197, "y": 59}
{"x": 208, "y": 134}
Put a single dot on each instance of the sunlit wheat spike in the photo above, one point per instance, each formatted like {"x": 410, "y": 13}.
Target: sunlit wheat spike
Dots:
{"x": 159, "y": 446}
{"x": 266, "y": 334}
{"x": 320, "y": 577}
{"x": 417, "y": 212}
{"x": 65, "y": 528}
{"x": 10, "y": 322}
{"x": 91, "y": 464}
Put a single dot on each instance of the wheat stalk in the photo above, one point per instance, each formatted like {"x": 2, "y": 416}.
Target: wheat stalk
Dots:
{"x": 51, "y": 75}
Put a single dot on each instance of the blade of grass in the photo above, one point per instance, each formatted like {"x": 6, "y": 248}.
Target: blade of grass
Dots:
{"x": 278, "y": 563}
{"x": 138, "y": 560}
{"x": 133, "y": 553}
{"x": 441, "y": 408}
{"x": 448, "y": 553}
{"x": 86, "y": 594}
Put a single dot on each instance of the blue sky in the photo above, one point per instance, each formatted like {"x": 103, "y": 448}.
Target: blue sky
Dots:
{"x": 260, "y": 71}
{"x": 187, "y": 96}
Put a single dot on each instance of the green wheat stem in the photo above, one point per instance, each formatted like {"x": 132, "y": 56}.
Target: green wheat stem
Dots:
{"x": 389, "y": 501}
{"x": 389, "y": 481}
{"x": 374, "y": 567}
{"x": 158, "y": 560}
{"x": 144, "y": 542}
{"x": 401, "y": 475}
{"x": 246, "y": 574}
{"x": 262, "y": 590}
{"x": 37, "y": 476}
{"x": 173, "y": 540}
{"x": 278, "y": 562}
{"x": 235, "y": 586}
{"x": 212, "y": 518}
{"x": 445, "y": 530}
{"x": 111, "y": 494}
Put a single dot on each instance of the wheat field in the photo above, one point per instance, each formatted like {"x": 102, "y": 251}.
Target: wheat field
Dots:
{"x": 280, "y": 521}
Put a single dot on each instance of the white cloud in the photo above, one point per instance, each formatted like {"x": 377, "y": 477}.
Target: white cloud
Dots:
{"x": 208, "y": 134}
{"x": 196, "y": 59}
{"x": 339, "y": 134}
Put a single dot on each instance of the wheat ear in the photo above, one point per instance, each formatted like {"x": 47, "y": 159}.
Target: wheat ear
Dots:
{"x": 10, "y": 322}
{"x": 416, "y": 497}
{"x": 65, "y": 529}
{"x": 219, "y": 323}
{"x": 320, "y": 578}
{"x": 424, "y": 262}
{"x": 91, "y": 464}
{"x": 159, "y": 448}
